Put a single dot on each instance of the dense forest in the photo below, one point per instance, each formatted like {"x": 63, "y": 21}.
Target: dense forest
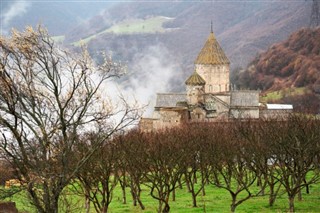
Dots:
{"x": 293, "y": 63}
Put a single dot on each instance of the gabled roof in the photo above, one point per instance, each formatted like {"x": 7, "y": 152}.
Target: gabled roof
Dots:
{"x": 212, "y": 53}
{"x": 195, "y": 79}
{"x": 170, "y": 99}
{"x": 245, "y": 98}
{"x": 217, "y": 99}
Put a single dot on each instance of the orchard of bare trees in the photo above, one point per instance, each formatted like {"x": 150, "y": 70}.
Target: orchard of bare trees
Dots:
{"x": 237, "y": 156}
{"x": 59, "y": 133}
{"x": 234, "y": 156}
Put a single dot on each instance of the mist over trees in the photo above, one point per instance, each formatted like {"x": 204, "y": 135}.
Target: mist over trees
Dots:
{"x": 50, "y": 99}
{"x": 59, "y": 132}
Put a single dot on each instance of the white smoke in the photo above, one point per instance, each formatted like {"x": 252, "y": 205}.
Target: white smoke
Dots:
{"x": 152, "y": 71}
{"x": 17, "y": 8}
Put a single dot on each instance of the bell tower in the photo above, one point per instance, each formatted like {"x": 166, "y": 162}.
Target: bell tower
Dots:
{"x": 213, "y": 66}
{"x": 195, "y": 89}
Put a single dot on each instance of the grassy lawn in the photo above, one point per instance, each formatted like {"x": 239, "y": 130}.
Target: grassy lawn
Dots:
{"x": 131, "y": 26}
{"x": 276, "y": 95}
{"x": 216, "y": 200}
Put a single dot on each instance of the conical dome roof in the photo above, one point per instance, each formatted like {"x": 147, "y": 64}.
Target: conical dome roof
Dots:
{"x": 212, "y": 53}
{"x": 195, "y": 79}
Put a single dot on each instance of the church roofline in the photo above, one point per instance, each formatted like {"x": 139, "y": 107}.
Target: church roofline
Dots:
{"x": 195, "y": 79}
{"x": 212, "y": 53}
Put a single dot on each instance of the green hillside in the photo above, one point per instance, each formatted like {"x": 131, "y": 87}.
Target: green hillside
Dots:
{"x": 131, "y": 26}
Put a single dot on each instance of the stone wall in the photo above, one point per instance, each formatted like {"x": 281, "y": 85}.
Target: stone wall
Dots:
{"x": 168, "y": 118}
{"x": 244, "y": 113}
{"x": 146, "y": 124}
{"x": 245, "y": 98}
{"x": 194, "y": 94}
{"x": 216, "y": 77}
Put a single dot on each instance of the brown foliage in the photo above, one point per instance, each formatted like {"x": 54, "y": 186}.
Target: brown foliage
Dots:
{"x": 305, "y": 103}
{"x": 6, "y": 172}
{"x": 8, "y": 207}
{"x": 49, "y": 98}
{"x": 231, "y": 155}
{"x": 294, "y": 62}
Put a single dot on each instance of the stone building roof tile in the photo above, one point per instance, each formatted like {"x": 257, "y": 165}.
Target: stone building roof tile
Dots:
{"x": 212, "y": 53}
{"x": 195, "y": 79}
{"x": 170, "y": 99}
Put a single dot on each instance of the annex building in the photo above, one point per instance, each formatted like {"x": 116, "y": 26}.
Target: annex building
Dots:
{"x": 208, "y": 95}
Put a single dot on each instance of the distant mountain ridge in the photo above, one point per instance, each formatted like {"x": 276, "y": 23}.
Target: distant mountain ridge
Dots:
{"x": 242, "y": 28}
{"x": 288, "y": 72}
{"x": 292, "y": 63}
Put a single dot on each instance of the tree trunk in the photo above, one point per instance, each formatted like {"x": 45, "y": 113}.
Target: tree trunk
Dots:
{"x": 124, "y": 197}
{"x": 180, "y": 184}
{"x": 233, "y": 208}
{"x": 51, "y": 205}
{"x": 233, "y": 205}
{"x": 87, "y": 204}
{"x": 133, "y": 194}
{"x": 203, "y": 192}
{"x": 140, "y": 203}
{"x": 291, "y": 203}
{"x": 262, "y": 187}
{"x": 272, "y": 195}
{"x": 123, "y": 187}
{"x": 188, "y": 182}
{"x": 195, "y": 179}
{"x": 104, "y": 209}
{"x": 300, "y": 195}
{"x": 166, "y": 208}
{"x": 134, "y": 199}
{"x": 53, "y": 208}
{"x": 307, "y": 185}
{"x": 203, "y": 182}
{"x": 174, "y": 194}
{"x": 160, "y": 206}
{"x": 194, "y": 199}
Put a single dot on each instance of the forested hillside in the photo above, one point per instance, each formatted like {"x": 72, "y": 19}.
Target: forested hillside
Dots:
{"x": 177, "y": 29}
{"x": 242, "y": 28}
{"x": 291, "y": 67}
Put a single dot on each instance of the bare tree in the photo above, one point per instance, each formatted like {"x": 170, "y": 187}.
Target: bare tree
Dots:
{"x": 49, "y": 97}
{"x": 256, "y": 134}
{"x": 194, "y": 137}
{"x": 6, "y": 171}
{"x": 6, "y": 174}
{"x": 230, "y": 164}
{"x": 132, "y": 151}
{"x": 162, "y": 160}
{"x": 294, "y": 142}
{"x": 99, "y": 176}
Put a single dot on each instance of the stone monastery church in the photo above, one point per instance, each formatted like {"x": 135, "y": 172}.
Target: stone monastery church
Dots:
{"x": 208, "y": 94}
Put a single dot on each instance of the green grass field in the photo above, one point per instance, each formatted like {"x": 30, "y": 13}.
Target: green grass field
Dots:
{"x": 215, "y": 200}
{"x": 277, "y": 95}
{"x": 131, "y": 26}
